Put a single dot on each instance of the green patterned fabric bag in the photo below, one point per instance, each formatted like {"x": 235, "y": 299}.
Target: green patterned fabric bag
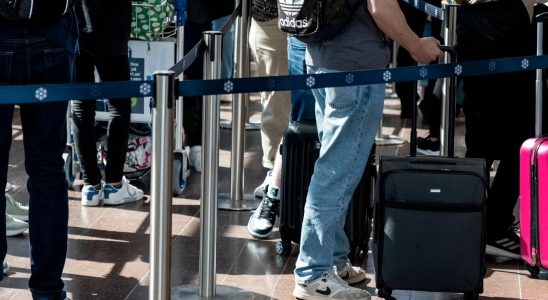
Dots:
{"x": 149, "y": 18}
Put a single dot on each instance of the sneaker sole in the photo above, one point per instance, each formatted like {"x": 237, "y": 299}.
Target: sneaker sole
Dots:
{"x": 15, "y": 232}
{"x": 119, "y": 202}
{"x": 257, "y": 235}
{"x": 427, "y": 152}
{"x": 90, "y": 202}
{"x": 490, "y": 250}
{"x": 308, "y": 297}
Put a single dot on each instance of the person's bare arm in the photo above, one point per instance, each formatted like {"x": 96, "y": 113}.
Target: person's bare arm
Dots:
{"x": 390, "y": 19}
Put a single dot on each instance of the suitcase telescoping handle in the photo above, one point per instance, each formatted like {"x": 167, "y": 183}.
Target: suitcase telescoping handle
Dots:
{"x": 452, "y": 93}
{"x": 538, "y": 78}
{"x": 447, "y": 131}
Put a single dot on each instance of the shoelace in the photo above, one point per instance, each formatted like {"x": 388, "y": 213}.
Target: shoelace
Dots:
{"x": 336, "y": 278}
{"x": 269, "y": 209}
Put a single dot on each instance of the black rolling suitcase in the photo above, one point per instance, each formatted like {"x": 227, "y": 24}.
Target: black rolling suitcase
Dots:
{"x": 429, "y": 223}
{"x": 300, "y": 150}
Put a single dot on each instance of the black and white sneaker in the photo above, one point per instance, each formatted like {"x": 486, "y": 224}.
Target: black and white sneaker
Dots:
{"x": 506, "y": 245}
{"x": 329, "y": 286}
{"x": 428, "y": 146}
{"x": 262, "y": 221}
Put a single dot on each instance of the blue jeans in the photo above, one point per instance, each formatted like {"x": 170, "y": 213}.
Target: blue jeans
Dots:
{"x": 33, "y": 60}
{"x": 302, "y": 101}
{"x": 347, "y": 120}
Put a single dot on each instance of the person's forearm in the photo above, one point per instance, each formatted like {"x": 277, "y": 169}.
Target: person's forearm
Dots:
{"x": 390, "y": 19}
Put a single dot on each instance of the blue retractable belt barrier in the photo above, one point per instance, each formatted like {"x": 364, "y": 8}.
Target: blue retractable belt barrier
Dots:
{"x": 126, "y": 89}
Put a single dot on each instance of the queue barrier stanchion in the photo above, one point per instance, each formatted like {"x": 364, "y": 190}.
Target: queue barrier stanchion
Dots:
{"x": 449, "y": 84}
{"x": 236, "y": 200}
{"x": 161, "y": 185}
{"x": 207, "y": 287}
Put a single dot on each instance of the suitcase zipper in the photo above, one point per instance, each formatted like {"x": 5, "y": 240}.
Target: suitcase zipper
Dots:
{"x": 534, "y": 238}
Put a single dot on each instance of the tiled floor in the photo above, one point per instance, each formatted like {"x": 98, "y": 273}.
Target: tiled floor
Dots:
{"x": 108, "y": 250}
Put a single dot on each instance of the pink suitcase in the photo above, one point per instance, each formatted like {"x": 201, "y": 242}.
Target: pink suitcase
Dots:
{"x": 533, "y": 184}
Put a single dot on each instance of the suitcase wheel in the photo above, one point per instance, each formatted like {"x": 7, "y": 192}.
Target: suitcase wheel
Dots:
{"x": 283, "y": 247}
{"x": 471, "y": 296}
{"x": 385, "y": 293}
{"x": 533, "y": 270}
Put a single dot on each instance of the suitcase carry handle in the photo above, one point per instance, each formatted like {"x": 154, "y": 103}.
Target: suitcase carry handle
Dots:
{"x": 538, "y": 78}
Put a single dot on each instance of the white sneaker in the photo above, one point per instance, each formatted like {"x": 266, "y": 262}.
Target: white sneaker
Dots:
{"x": 126, "y": 193}
{"x": 350, "y": 274}
{"x": 91, "y": 195}
{"x": 261, "y": 189}
{"x": 16, "y": 209}
{"x": 9, "y": 187}
{"x": 5, "y": 267}
{"x": 329, "y": 286}
{"x": 195, "y": 158}
{"x": 15, "y": 226}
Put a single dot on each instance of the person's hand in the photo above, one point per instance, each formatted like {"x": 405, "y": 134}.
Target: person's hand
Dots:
{"x": 426, "y": 50}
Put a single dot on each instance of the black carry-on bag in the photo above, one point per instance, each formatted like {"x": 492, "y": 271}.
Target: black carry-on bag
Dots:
{"x": 300, "y": 150}
{"x": 429, "y": 221}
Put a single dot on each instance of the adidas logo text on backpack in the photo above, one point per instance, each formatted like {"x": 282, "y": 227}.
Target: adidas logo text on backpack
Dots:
{"x": 314, "y": 20}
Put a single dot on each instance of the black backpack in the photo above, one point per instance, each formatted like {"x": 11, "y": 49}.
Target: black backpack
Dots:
{"x": 34, "y": 11}
{"x": 314, "y": 20}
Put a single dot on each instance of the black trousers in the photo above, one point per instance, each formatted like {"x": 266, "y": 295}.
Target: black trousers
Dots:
{"x": 498, "y": 108}
{"x": 110, "y": 68}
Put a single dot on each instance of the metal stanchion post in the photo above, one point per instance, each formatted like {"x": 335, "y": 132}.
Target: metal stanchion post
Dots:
{"x": 236, "y": 200}
{"x": 449, "y": 84}
{"x": 179, "y": 131}
{"x": 240, "y": 102}
{"x": 208, "y": 212}
{"x": 161, "y": 188}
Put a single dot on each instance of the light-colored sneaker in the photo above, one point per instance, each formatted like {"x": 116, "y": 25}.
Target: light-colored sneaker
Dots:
{"x": 91, "y": 195}
{"x": 261, "y": 222}
{"x": 329, "y": 286}
{"x": 15, "y": 226}
{"x": 350, "y": 274}
{"x": 126, "y": 193}
{"x": 5, "y": 267}
{"x": 195, "y": 158}
{"x": 261, "y": 189}
{"x": 9, "y": 187}
{"x": 16, "y": 209}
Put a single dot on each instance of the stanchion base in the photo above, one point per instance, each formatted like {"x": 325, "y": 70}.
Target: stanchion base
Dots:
{"x": 248, "y": 126}
{"x": 190, "y": 292}
{"x": 248, "y": 203}
{"x": 389, "y": 140}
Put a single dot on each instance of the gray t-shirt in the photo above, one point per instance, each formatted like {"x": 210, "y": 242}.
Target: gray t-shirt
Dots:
{"x": 359, "y": 45}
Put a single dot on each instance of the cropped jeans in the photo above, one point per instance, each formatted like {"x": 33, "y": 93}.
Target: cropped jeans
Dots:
{"x": 347, "y": 120}
{"x": 34, "y": 60}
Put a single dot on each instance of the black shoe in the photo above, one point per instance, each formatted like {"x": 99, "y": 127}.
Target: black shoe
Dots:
{"x": 428, "y": 146}
{"x": 262, "y": 221}
{"x": 506, "y": 245}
